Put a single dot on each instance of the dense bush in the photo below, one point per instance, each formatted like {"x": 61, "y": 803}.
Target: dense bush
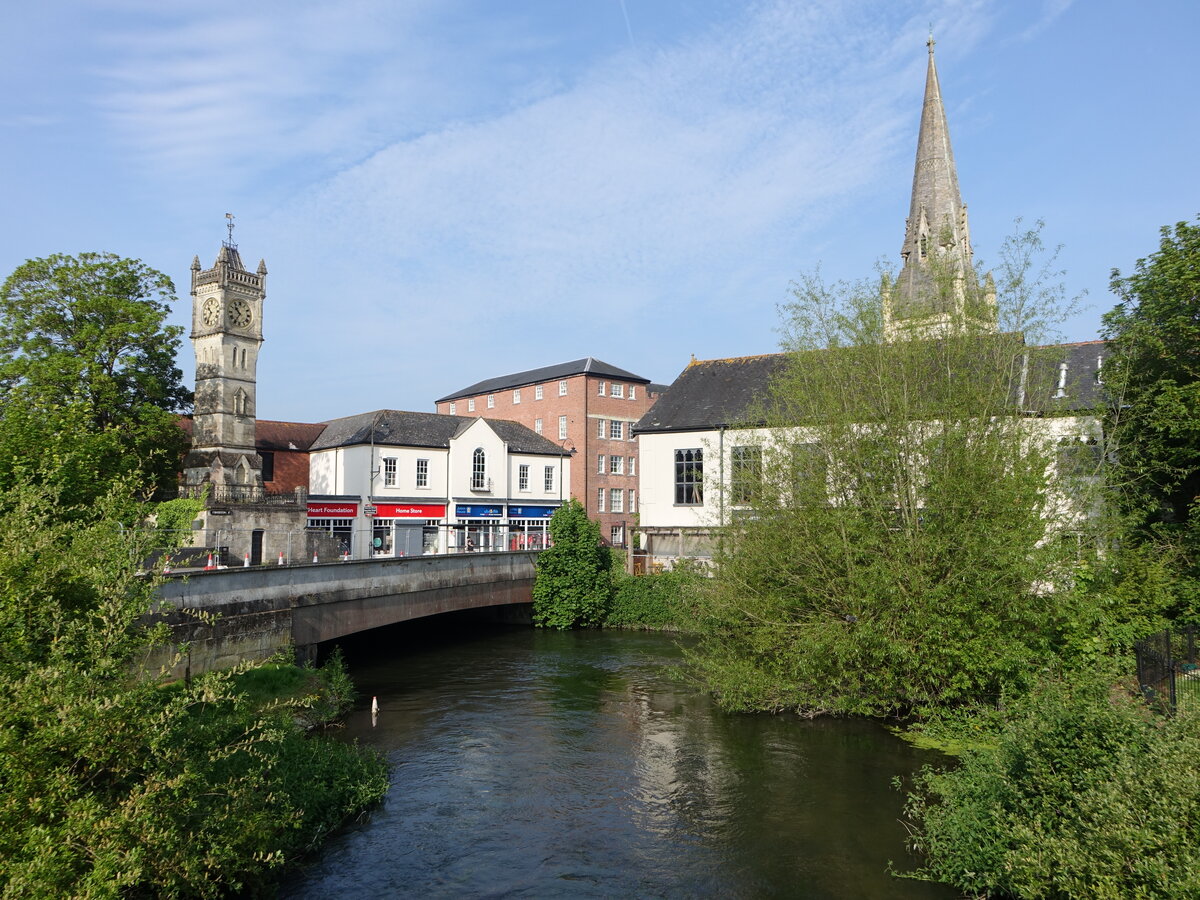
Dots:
{"x": 658, "y": 602}
{"x": 573, "y": 584}
{"x": 1085, "y": 794}
{"x": 114, "y": 783}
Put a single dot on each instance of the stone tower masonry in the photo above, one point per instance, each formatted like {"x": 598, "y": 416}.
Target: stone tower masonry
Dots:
{"x": 227, "y": 307}
{"x": 937, "y": 291}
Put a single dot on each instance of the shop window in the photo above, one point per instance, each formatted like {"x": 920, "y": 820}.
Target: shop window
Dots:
{"x": 689, "y": 477}
{"x": 422, "y": 473}
{"x": 389, "y": 471}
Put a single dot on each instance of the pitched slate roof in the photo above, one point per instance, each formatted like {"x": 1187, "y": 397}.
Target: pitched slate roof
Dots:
{"x": 587, "y": 366}
{"x": 419, "y": 429}
{"x": 724, "y": 392}
{"x": 711, "y": 393}
{"x": 272, "y": 435}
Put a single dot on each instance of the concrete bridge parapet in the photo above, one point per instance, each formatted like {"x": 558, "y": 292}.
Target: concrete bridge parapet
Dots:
{"x": 249, "y": 614}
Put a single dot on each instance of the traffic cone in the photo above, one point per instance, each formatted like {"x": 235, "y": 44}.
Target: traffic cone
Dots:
{"x": 209, "y": 565}
{"x": 314, "y": 556}
{"x": 246, "y": 561}
{"x": 346, "y": 556}
{"x": 281, "y": 557}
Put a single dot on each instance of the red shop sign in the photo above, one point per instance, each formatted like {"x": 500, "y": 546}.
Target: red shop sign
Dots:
{"x": 332, "y": 510}
{"x": 411, "y": 510}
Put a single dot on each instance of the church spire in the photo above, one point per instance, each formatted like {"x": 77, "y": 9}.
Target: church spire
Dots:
{"x": 937, "y": 272}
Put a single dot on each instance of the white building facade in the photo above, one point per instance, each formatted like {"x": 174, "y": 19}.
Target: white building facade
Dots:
{"x": 394, "y": 483}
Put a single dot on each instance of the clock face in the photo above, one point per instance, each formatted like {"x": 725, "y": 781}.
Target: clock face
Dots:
{"x": 210, "y": 314}
{"x": 240, "y": 314}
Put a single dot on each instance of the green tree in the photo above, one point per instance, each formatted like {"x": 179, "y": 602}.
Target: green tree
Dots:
{"x": 1153, "y": 375}
{"x": 113, "y": 782}
{"x": 88, "y": 379}
{"x": 573, "y": 584}
{"x": 891, "y": 556}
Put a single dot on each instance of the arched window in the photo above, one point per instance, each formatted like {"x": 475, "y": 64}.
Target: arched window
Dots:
{"x": 479, "y": 470}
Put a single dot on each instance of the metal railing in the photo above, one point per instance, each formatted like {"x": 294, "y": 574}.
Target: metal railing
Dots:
{"x": 1167, "y": 670}
{"x": 232, "y": 547}
{"x": 244, "y": 493}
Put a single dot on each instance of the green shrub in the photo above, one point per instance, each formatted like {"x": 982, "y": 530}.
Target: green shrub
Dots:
{"x": 1085, "y": 794}
{"x": 658, "y": 601}
{"x": 573, "y": 584}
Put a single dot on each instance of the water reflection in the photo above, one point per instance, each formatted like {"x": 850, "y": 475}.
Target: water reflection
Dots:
{"x": 540, "y": 764}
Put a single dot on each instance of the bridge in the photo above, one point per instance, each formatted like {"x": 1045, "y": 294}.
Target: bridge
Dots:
{"x": 248, "y": 614}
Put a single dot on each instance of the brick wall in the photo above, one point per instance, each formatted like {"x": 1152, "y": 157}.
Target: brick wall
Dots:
{"x": 584, "y": 408}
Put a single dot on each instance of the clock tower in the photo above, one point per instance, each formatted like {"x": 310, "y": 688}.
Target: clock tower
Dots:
{"x": 227, "y": 306}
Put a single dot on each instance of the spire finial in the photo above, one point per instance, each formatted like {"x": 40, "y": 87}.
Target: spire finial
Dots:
{"x": 929, "y": 43}
{"x": 229, "y": 224}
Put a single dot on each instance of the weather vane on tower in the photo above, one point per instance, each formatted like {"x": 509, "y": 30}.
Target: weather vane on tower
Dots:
{"x": 229, "y": 224}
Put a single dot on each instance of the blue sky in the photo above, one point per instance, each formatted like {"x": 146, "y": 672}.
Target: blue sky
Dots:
{"x": 448, "y": 190}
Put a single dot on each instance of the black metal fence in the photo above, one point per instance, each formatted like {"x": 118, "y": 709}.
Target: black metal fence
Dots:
{"x": 1167, "y": 671}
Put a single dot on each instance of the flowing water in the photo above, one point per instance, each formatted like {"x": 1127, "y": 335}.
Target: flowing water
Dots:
{"x": 529, "y": 763}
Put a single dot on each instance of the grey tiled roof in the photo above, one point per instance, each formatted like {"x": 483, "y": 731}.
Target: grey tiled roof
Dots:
{"x": 724, "y": 392}
{"x": 419, "y": 429}
{"x": 587, "y": 366}
{"x": 714, "y": 392}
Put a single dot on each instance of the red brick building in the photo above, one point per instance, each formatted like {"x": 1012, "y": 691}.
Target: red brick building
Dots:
{"x": 586, "y": 406}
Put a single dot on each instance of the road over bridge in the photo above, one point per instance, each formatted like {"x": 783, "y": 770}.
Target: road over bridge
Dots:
{"x": 250, "y": 613}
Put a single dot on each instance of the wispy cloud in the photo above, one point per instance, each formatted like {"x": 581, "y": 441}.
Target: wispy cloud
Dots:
{"x": 1050, "y": 11}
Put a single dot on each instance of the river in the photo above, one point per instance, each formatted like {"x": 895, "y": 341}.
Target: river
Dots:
{"x": 529, "y": 763}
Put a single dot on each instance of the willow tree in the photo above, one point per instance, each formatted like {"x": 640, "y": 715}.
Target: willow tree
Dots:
{"x": 893, "y": 549}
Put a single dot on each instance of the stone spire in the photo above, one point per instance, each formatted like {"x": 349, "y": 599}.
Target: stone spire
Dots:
{"x": 931, "y": 292}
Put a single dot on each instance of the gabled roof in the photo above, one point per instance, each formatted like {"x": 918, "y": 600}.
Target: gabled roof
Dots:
{"x": 711, "y": 393}
{"x": 398, "y": 428}
{"x": 718, "y": 393}
{"x": 587, "y": 366}
{"x": 271, "y": 435}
